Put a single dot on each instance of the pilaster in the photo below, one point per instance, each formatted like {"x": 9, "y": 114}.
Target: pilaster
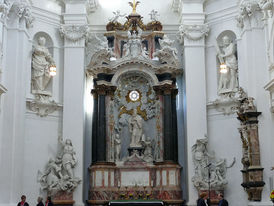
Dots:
{"x": 15, "y": 64}
{"x": 192, "y": 33}
{"x": 73, "y": 30}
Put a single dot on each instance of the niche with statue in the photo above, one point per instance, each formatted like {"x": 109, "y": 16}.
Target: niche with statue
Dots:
{"x": 43, "y": 70}
{"x": 227, "y": 63}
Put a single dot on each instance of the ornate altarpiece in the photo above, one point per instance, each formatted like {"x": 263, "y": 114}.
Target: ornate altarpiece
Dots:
{"x": 134, "y": 129}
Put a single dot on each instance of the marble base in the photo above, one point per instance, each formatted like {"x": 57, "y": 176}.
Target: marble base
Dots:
{"x": 63, "y": 198}
{"x": 138, "y": 181}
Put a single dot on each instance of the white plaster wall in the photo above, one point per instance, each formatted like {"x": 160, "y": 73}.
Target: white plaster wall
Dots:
{"x": 26, "y": 149}
{"x": 105, "y": 8}
{"x": 224, "y": 138}
{"x": 27, "y": 140}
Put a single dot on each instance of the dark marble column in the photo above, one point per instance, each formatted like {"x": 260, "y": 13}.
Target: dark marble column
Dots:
{"x": 99, "y": 122}
{"x": 94, "y": 126}
{"x": 169, "y": 92}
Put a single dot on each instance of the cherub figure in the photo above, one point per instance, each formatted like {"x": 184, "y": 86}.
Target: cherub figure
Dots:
{"x": 117, "y": 15}
{"x": 154, "y": 15}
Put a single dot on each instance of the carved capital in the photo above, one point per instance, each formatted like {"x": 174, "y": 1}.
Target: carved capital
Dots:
{"x": 91, "y": 6}
{"x": 247, "y": 10}
{"x": 193, "y": 32}
{"x": 166, "y": 89}
{"x": 23, "y": 11}
{"x": 103, "y": 90}
{"x": 74, "y": 33}
{"x": 5, "y": 9}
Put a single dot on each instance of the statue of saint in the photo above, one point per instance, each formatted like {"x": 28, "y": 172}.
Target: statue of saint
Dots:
{"x": 228, "y": 81}
{"x": 136, "y": 129}
{"x": 68, "y": 156}
{"x": 41, "y": 62}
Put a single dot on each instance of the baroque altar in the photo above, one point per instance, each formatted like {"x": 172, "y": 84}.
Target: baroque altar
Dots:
{"x": 134, "y": 129}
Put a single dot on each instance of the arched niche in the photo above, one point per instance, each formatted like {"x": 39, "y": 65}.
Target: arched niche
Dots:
{"x": 227, "y": 83}
{"x": 139, "y": 84}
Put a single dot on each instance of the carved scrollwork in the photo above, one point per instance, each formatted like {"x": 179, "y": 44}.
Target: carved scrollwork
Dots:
{"x": 5, "y": 9}
{"x": 193, "y": 32}
{"x": 74, "y": 33}
{"x": 42, "y": 105}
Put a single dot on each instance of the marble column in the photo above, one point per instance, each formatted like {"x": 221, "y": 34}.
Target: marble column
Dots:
{"x": 169, "y": 92}
{"x": 99, "y": 136}
{"x": 74, "y": 30}
{"x": 252, "y": 170}
{"x": 193, "y": 31}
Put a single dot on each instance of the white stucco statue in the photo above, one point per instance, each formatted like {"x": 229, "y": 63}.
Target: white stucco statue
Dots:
{"x": 148, "y": 154}
{"x": 167, "y": 54}
{"x": 51, "y": 176}
{"x": 205, "y": 163}
{"x": 116, "y": 16}
{"x": 154, "y": 15}
{"x": 102, "y": 43}
{"x": 267, "y": 7}
{"x": 58, "y": 175}
{"x": 41, "y": 62}
{"x": 117, "y": 142}
{"x": 68, "y": 156}
{"x": 135, "y": 124}
{"x": 228, "y": 82}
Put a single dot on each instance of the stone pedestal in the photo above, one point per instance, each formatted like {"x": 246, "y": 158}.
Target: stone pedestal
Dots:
{"x": 252, "y": 171}
{"x": 63, "y": 198}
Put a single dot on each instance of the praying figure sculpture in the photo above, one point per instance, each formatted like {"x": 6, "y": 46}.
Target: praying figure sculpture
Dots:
{"x": 228, "y": 81}
{"x": 136, "y": 129}
{"x": 41, "y": 62}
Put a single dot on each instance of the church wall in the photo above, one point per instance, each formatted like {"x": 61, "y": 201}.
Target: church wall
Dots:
{"x": 104, "y": 12}
{"x": 224, "y": 137}
{"x": 27, "y": 140}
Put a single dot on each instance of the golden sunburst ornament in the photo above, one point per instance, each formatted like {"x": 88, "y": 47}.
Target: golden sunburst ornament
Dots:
{"x": 134, "y": 6}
